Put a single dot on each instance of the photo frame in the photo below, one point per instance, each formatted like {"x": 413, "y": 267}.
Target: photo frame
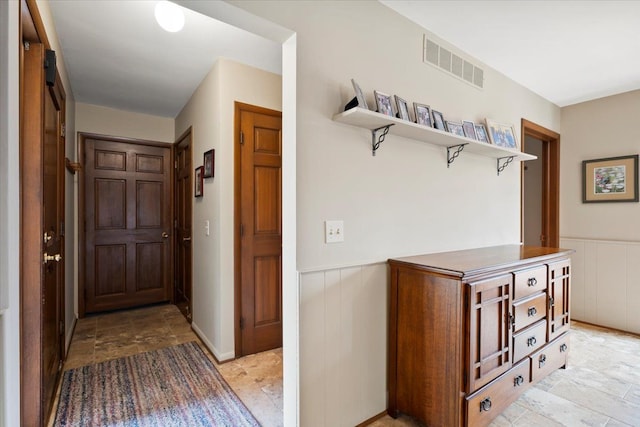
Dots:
{"x": 402, "y": 108}
{"x": 438, "y": 120}
{"x": 208, "y": 164}
{"x": 469, "y": 129}
{"x": 612, "y": 179}
{"x": 423, "y": 114}
{"x": 502, "y": 135}
{"x": 362, "y": 102}
{"x": 455, "y": 128}
{"x": 481, "y": 133}
{"x": 383, "y": 103}
{"x": 199, "y": 182}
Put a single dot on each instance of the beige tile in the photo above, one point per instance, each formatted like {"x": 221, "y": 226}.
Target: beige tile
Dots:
{"x": 560, "y": 410}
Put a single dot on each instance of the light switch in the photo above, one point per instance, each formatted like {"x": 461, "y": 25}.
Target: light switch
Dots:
{"x": 334, "y": 231}
{"x": 206, "y": 228}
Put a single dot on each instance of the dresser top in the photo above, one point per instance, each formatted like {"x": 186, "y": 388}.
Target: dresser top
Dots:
{"x": 483, "y": 260}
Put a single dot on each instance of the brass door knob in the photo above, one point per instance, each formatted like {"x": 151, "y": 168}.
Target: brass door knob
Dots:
{"x": 165, "y": 235}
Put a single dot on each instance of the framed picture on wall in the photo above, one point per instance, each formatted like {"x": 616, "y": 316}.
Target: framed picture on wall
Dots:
{"x": 209, "y": 158}
{"x": 469, "y": 129}
{"x": 383, "y": 101}
{"x": 362, "y": 102}
{"x": 423, "y": 114}
{"x": 199, "y": 182}
{"x": 455, "y": 128}
{"x": 438, "y": 120}
{"x": 502, "y": 135}
{"x": 403, "y": 109}
{"x": 613, "y": 179}
{"x": 481, "y": 133}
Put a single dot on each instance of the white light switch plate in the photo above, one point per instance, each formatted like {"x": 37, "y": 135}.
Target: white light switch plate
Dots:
{"x": 333, "y": 231}
{"x": 206, "y": 228}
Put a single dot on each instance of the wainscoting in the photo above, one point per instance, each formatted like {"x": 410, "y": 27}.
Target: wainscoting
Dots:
{"x": 606, "y": 282}
{"x": 343, "y": 345}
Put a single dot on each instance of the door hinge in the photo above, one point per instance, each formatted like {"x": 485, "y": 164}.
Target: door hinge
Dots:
{"x": 242, "y": 323}
{"x": 63, "y": 130}
{"x": 175, "y": 164}
{"x": 241, "y": 137}
{"x": 27, "y": 45}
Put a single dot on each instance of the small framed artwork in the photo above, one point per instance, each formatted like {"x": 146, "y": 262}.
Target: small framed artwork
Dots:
{"x": 438, "y": 120}
{"x": 613, "y": 179}
{"x": 455, "y": 128}
{"x": 199, "y": 182}
{"x": 383, "y": 101}
{"x": 362, "y": 102}
{"x": 481, "y": 133}
{"x": 403, "y": 109}
{"x": 469, "y": 129}
{"x": 209, "y": 158}
{"x": 423, "y": 114}
{"x": 502, "y": 135}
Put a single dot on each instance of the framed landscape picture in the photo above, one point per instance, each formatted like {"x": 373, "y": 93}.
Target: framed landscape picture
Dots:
{"x": 502, "y": 135}
{"x": 613, "y": 179}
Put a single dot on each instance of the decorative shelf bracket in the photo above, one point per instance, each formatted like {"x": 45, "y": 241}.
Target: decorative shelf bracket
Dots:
{"x": 377, "y": 137}
{"x": 506, "y": 162}
{"x": 451, "y": 156}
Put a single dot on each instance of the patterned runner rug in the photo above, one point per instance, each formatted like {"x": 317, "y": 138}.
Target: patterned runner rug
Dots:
{"x": 173, "y": 386}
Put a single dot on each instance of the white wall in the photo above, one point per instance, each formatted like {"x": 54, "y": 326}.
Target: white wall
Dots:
{"x": 210, "y": 112}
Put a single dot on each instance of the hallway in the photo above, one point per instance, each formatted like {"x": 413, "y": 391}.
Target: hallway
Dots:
{"x": 256, "y": 379}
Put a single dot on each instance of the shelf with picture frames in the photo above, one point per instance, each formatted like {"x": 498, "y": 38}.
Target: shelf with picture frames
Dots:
{"x": 381, "y": 125}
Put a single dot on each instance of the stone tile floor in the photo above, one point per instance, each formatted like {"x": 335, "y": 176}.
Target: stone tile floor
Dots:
{"x": 600, "y": 387}
{"x": 256, "y": 379}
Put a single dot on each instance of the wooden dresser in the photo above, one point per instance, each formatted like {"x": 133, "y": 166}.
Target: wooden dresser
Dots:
{"x": 470, "y": 330}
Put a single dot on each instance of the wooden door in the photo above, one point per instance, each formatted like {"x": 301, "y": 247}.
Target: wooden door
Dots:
{"x": 127, "y": 222}
{"x": 259, "y": 233}
{"x": 489, "y": 322}
{"x": 42, "y": 236}
{"x": 183, "y": 203}
{"x": 559, "y": 285}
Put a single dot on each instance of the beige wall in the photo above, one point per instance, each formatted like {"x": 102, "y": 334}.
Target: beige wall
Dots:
{"x": 210, "y": 113}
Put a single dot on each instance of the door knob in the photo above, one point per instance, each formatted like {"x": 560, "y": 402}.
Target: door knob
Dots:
{"x": 165, "y": 235}
{"x": 56, "y": 258}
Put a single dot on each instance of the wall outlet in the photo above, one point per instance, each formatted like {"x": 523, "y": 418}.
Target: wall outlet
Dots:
{"x": 333, "y": 231}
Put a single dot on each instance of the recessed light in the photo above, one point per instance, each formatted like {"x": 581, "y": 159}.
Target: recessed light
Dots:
{"x": 169, "y": 16}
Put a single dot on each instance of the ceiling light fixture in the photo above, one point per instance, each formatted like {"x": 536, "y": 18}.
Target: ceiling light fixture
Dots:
{"x": 169, "y": 16}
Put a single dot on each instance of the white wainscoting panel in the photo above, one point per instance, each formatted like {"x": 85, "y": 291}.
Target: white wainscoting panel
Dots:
{"x": 605, "y": 282}
{"x": 343, "y": 345}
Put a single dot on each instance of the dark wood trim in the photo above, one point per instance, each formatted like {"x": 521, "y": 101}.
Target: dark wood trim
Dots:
{"x": 372, "y": 419}
{"x": 238, "y": 108}
{"x": 551, "y": 182}
{"x": 174, "y": 148}
{"x": 72, "y": 167}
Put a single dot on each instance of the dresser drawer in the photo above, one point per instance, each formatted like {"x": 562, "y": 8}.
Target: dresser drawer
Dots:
{"x": 529, "y": 311}
{"x": 549, "y": 358}
{"x": 488, "y": 402}
{"x": 529, "y": 282}
{"x": 529, "y": 340}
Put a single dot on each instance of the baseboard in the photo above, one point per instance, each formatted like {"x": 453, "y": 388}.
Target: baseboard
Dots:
{"x": 220, "y": 357}
{"x": 372, "y": 419}
{"x": 69, "y": 336}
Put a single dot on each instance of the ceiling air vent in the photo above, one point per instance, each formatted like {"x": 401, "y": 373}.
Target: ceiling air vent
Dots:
{"x": 452, "y": 64}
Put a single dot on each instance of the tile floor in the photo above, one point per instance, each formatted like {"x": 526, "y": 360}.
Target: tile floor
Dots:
{"x": 600, "y": 387}
{"x": 256, "y": 379}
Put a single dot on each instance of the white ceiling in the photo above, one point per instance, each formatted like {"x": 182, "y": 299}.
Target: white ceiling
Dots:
{"x": 118, "y": 56}
{"x": 565, "y": 51}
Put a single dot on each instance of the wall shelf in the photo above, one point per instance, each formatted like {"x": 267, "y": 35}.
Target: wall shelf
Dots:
{"x": 380, "y": 125}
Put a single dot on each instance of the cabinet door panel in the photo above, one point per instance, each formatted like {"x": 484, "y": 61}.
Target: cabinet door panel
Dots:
{"x": 559, "y": 286}
{"x": 489, "y": 330}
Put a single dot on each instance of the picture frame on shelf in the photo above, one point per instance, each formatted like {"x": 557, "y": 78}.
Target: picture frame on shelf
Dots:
{"x": 362, "y": 101}
{"x": 198, "y": 190}
{"x": 612, "y": 179}
{"x": 208, "y": 163}
{"x": 423, "y": 114}
{"x": 455, "y": 128}
{"x": 501, "y": 134}
{"x": 469, "y": 129}
{"x": 383, "y": 103}
{"x": 402, "y": 107}
{"x": 481, "y": 133}
{"x": 438, "y": 120}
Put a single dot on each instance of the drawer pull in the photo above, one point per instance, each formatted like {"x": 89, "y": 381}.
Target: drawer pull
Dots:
{"x": 485, "y": 405}
{"x": 518, "y": 381}
{"x": 532, "y": 281}
{"x": 531, "y": 311}
{"x": 531, "y": 341}
{"x": 542, "y": 360}
{"x": 563, "y": 348}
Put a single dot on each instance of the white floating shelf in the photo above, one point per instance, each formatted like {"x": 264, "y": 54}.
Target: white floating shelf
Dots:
{"x": 374, "y": 121}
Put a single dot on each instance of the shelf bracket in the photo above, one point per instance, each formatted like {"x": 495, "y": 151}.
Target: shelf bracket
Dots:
{"x": 453, "y": 152}
{"x": 377, "y": 137}
{"x": 506, "y": 162}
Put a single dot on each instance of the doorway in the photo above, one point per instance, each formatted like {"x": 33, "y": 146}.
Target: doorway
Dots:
{"x": 540, "y": 209}
{"x": 182, "y": 224}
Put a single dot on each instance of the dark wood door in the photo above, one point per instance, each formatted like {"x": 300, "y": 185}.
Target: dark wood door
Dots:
{"x": 183, "y": 201}
{"x": 558, "y": 298}
{"x": 260, "y": 229}
{"x": 42, "y": 236}
{"x": 127, "y": 210}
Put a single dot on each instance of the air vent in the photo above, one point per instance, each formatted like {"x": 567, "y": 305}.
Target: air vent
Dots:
{"x": 451, "y": 63}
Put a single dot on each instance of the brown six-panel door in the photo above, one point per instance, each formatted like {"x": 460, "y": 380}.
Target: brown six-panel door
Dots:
{"x": 127, "y": 207}
{"x": 260, "y": 240}
{"x": 183, "y": 200}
